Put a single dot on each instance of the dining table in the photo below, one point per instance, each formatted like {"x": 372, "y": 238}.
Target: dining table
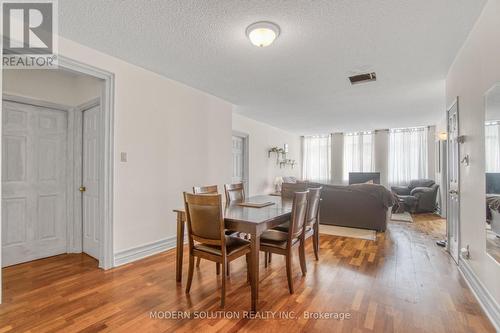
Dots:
{"x": 249, "y": 220}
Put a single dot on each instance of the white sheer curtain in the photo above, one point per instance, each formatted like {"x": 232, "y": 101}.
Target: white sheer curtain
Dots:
{"x": 408, "y": 155}
{"x": 492, "y": 136}
{"x": 316, "y": 161}
{"x": 358, "y": 153}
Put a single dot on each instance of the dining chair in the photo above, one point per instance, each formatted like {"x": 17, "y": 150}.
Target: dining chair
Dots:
{"x": 234, "y": 192}
{"x": 208, "y": 189}
{"x": 207, "y": 238}
{"x": 311, "y": 228}
{"x": 280, "y": 242}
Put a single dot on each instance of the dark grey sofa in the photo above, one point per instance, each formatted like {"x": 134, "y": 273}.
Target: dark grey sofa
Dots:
{"x": 364, "y": 206}
{"x": 419, "y": 196}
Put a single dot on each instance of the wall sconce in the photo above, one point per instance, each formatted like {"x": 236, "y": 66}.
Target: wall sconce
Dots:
{"x": 461, "y": 139}
{"x": 443, "y": 136}
{"x": 466, "y": 160}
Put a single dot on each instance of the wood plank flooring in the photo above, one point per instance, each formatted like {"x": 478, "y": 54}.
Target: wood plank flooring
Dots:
{"x": 402, "y": 282}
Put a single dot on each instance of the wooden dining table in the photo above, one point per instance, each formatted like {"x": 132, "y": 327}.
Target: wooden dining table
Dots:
{"x": 250, "y": 220}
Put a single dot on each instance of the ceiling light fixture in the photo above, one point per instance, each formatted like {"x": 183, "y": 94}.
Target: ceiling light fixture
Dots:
{"x": 262, "y": 33}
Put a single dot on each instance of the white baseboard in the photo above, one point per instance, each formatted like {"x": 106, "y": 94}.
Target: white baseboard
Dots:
{"x": 487, "y": 302}
{"x": 142, "y": 251}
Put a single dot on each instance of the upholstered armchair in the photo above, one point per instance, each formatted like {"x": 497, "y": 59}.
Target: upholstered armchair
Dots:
{"x": 419, "y": 196}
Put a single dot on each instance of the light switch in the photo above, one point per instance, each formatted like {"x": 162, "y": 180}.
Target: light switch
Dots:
{"x": 123, "y": 156}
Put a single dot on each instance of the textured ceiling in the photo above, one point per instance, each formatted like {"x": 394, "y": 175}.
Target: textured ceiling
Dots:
{"x": 300, "y": 82}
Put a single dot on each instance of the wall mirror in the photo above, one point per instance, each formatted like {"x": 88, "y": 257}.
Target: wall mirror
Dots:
{"x": 492, "y": 170}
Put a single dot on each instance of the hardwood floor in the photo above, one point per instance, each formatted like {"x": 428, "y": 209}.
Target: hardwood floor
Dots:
{"x": 402, "y": 282}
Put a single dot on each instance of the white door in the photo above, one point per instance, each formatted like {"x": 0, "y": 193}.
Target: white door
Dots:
{"x": 34, "y": 156}
{"x": 90, "y": 182}
{"x": 239, "y": 163}
{"x": 453, "y": 207}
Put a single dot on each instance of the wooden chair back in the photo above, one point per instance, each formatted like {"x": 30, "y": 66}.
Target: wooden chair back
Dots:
{"x": 297, "y": 221}
{"x": 209, "y": 189}
{"x": 234, "y": 192}
{"x": 313, "y": 200}
{"x": 205, "y": 221}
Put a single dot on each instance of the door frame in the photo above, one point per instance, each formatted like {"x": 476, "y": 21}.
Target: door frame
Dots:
{"x": 246, "y": 156}
{"x": 455, "y": 102}
{"x": 106, "y": 260}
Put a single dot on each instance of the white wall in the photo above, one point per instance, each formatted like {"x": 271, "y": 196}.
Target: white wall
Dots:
{"x": 175, "y": 137}
{"x": 475, "y": 69}
{"x": 56, "y": 86}
{"x": 263, "y": 170}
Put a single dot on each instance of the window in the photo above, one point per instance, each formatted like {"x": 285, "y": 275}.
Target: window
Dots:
{"x": 358, "y": 153}
{"x": 491, "y": 133}
{"x": 316, "y": 158}
{"x": 407, "y": 155}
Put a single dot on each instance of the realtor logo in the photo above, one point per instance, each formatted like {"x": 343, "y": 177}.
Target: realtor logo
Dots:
{"x": 29, "y": 34}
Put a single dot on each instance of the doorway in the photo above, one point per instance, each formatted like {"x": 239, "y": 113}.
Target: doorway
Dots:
{"x": 54, "y": 153}
{"x": 240, "y": 159}
{"x": 43, "y": 165}
{"x": 453, "y": 194}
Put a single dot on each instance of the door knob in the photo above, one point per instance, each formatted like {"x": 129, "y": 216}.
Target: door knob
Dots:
{"x": 83, "y": 188}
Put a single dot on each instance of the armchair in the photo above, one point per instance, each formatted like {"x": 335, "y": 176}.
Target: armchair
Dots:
{"x": 419, "y": 196}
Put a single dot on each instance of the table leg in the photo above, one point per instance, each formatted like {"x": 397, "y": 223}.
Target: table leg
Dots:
{"x": 254, "y": 269}
{"x": 180, "y": 247}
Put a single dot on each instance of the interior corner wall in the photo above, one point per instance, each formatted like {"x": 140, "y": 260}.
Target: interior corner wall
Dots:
{"x": 476, "y": 69}
{"x": 175, "y": 137}
{"x": 337, "y": 158}
{"x": 263, "y": 169}
{"x": 381, "y": 147}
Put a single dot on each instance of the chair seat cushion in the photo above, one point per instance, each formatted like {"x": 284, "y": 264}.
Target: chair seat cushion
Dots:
{"x": 283, "y": 227}
{"x": 233, "y": 244}
{"x": 275, "y": 238}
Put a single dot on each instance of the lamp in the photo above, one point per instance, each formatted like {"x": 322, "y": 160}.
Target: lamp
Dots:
{"x": 277, "y": 183}
{"x": 262, "y": 33}
{"x": 443, "y": 136}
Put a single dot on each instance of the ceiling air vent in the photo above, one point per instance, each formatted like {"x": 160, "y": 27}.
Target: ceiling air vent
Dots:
{"x": 360, "y": 78}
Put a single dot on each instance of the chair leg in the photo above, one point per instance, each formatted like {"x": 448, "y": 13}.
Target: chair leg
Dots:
{"x": 316, "y": 244}
{"x": 223, "y": 289}
{"x": 270, "y": 256}
{"x": 247, "y": 256}
{"x": 302, "y": 257}
{"x": 266, "y": 255}
{"x": 228, "y": 271}
{"x": 217, "y": 268}
{"x": 198, "y": 260}
{"x": 289, "y": 271}
{"x": 190, "y": 273}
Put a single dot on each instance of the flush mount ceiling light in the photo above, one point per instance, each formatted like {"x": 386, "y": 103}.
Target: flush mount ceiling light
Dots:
{"x": 262, "y": 33}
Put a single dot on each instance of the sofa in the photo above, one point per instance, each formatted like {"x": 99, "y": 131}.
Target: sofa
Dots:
{"x": 419, "y": 196}
{"x": 364, "y": 206}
